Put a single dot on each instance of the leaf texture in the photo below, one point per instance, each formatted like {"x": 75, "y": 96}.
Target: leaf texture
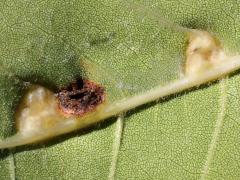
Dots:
{"x": 190, "y": 135}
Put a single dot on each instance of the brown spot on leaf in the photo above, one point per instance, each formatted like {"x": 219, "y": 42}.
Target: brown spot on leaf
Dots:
{"x": 80, "y": 97}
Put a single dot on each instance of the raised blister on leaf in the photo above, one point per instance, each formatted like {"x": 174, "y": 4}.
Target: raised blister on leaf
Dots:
{"x": 203, "y": 52}
{"x": 38, "y": 110}
{"x": 43, "y": 114}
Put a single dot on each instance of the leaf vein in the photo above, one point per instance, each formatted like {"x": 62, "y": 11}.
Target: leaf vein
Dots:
{"x": 12, "y": 165}
{"x": 217, "y": 129}
{"x": 116, "y": 147}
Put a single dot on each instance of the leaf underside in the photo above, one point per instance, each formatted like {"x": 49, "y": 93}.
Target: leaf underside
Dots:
{"x": 190, "y": 135}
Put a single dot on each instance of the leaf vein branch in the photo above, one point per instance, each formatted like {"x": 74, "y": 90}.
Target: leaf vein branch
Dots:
{"x": 217, "y": 130}
{"x": 116, "y": 147}
{"x": 12, "y": 165}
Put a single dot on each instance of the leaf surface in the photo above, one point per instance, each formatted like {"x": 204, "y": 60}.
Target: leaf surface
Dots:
{"x": 191, "y": 135}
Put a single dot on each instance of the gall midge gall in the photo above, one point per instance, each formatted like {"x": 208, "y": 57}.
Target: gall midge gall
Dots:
{"x": 80, "y": 97}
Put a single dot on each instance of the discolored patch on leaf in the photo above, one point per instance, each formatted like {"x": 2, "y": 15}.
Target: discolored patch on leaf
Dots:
{"x": 204, "y": 52}
{"x": 80, "y": 97}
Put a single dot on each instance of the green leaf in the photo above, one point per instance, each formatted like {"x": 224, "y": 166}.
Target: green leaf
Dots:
{"x": 190, "y": 135}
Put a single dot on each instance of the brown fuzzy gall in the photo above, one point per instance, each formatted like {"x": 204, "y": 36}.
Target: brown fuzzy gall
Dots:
{"x": 80, "y": 97}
